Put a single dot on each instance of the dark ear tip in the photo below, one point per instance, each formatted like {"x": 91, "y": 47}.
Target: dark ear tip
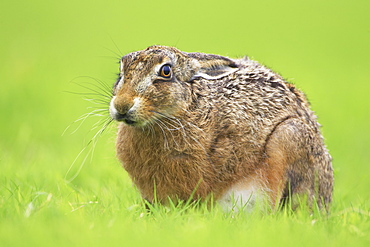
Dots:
{"x": 230, "y": 62}
{"x": 233, "y": 65}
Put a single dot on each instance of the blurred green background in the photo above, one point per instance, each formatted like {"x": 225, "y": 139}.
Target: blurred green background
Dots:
{"x": 321, "y": 46}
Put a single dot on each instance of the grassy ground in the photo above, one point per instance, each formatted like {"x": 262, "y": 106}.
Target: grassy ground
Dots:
{"x": 45, "y": 46}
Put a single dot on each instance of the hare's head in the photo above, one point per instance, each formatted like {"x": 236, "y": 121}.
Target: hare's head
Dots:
{"x": 155, "y": 82}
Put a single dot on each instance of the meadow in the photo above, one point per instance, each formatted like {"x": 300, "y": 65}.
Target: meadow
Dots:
{"x": 57, "y": 188}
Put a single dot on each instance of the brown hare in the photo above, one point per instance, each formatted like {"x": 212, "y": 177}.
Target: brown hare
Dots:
{"x": 195, "y": 125}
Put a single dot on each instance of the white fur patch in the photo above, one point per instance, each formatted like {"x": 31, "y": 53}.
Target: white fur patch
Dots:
{"x": 137, "y": 102}
{"x": 144, "y": 84}
{"x": 121, "y": 66}
{"x": 112, "y": 109}
{"x": 227, "y": 71}
{"x": 120, "y": 83}
{"x": 242, "y": 196}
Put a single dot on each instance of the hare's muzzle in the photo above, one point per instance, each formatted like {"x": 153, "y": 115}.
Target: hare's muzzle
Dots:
{"x": 126, "y": 114}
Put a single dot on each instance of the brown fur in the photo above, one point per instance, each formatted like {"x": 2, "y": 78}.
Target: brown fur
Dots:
{"x": 214, "y": 122}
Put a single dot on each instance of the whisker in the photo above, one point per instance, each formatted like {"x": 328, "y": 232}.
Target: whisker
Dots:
{"x": 98, "y": 101}
{"x": 95, "y": 91}
{"x": 166, "y": 146}
{"x": 92, "y": 145}
{"x": 186, "y": 132}
{"x": 173, "y": 120}
{"x": 100, "y": 88}
{"x": 81, "y": 119}
{"x": 101, "y": 130}
{"x": 99, "y": 94}
{"x": 89, "y": 94}
{"x": 119, "y": 55}
{"x": 169, "y": 130}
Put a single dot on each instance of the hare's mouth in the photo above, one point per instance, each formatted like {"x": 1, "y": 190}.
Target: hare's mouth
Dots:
{"x": 127, "y": 119}
{"x": 129, "y": 122}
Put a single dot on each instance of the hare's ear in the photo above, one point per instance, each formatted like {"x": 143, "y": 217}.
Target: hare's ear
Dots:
{"x": 212, "y": 66}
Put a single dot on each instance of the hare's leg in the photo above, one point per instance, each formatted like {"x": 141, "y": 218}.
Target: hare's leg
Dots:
{"x": 297, "y": 162}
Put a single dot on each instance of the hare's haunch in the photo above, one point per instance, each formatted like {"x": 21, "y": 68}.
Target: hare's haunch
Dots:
{"x": 194, "y": 125}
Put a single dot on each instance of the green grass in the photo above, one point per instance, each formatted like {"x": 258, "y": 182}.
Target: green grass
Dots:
{"x": 321, "y": 46}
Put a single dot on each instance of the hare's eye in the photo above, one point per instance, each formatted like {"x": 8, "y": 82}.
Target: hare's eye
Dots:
{"x": 165, "y": 71}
